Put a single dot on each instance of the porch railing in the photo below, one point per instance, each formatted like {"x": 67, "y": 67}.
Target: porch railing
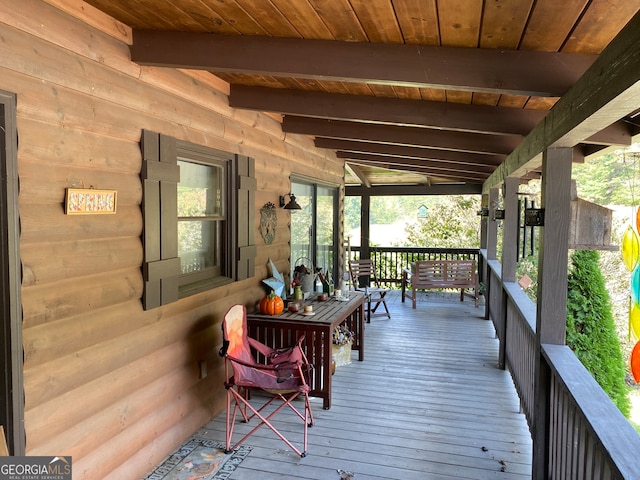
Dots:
{"x": 586, "y": 435}
{"x": 390, "y": 261}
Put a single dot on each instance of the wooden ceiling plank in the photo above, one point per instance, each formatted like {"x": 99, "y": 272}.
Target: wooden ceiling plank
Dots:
{"x": 418, "y": 20}
{"x": 270, "y": 18}
{"x": 340, "y": 19}
{"x": 378, "y": 20}
{"x": 304, "y": 18}
{"x": 513, "y": 101}
{"x": 542, "y": 34}
{"x": 233, "y": 14}
{"x": 466, "y": 69}
{"x": 601, "y": 21}
{"x": 205, "y": 16}
{"x": 463, "y": 158}
{"x": 460, "y": 22}
{"x": 449, "y": 116}
{"x": 608, "y": 91}
{"x": 503, "y": 23}
{"x": 486, "y": 99}
{"x": 411, "y": 136}
{"x": 457, "y": 96}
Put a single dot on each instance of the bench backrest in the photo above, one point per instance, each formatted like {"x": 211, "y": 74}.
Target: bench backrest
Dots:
{"x": 444, "y": 272}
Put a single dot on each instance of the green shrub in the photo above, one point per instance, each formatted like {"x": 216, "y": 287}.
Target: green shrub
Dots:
{"x": 591, "y": 332}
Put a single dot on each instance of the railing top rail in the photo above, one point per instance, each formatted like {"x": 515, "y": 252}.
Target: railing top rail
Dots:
{"x": 619, "y": 439}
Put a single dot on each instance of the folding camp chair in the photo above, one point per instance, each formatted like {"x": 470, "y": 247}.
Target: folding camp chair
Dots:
{"x": 283, "y": 377}
{"x": 363, "y": 278}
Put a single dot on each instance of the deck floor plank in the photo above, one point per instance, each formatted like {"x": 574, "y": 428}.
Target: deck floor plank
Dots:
{"x": 428, "y": 402}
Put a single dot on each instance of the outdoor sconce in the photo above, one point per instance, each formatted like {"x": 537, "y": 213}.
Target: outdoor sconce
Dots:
{"x": 484, "y": 212}
{"x": 499, "y": 215}
{"x": 292, "y": 205}
{"x": 534, "y": 217}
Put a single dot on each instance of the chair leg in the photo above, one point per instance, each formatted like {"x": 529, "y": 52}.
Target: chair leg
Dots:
{"x": 307, "y": 418}
{"x": 384, "y": 304}
{"x": 413, "y": 297}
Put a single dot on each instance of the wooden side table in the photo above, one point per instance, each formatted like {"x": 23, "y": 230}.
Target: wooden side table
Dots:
{"x": 278, "y": 331}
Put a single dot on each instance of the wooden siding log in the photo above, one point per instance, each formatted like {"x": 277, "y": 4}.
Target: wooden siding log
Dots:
{"x": 62, "y": 30}
{"x": 88, "y": 435}
{"x": 60, "y": 413}
{"x": 49, "y": 302}
{"x": 37, "y": 220}
{"x": 68, "y": 372}
{"x": 94, "y": 17}
{"x": 34, "y": 190}
{"x": 48, "y": 341}
{"x": 47, "y": 144}
{"x": 180, "y": 419}
{"x": 46, "y": 262}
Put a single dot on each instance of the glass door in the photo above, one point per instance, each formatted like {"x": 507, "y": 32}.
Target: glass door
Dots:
{"x": 314, "y": 228}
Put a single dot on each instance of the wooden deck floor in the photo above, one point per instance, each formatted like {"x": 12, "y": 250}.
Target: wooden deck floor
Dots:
{"x": 428, "y": 402}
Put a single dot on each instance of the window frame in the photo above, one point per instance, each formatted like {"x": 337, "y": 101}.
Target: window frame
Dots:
{"x": 160, "y": 176}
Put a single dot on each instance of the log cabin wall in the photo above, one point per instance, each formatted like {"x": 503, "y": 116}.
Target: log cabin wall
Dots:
{"x": 112, "y": 385}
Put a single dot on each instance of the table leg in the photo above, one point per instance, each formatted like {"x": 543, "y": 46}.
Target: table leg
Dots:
{"x": 326, "y": 369}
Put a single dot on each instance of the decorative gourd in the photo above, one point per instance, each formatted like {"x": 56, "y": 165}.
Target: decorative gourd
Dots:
{"x": 272, "y": 304}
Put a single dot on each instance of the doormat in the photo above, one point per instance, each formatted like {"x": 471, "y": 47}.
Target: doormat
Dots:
{"x": 200, "y": 459}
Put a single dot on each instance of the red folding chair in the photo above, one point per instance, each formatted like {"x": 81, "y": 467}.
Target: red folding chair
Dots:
{"x": 283, "y": 377}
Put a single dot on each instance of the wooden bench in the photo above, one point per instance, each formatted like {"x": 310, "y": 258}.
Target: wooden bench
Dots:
{"x": 430, "y": 274}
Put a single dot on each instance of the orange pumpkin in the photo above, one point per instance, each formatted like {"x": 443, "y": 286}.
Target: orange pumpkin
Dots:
{"x": 272, "y": 304}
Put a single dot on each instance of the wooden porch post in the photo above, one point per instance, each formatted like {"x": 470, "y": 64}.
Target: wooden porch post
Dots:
{"x": 492, "y": 226}
{"x": 510, "y": 230}
{"x": 551, "y": 315}
{"x": 492, "y": 247}
{"x": 509, "y": 256}
{"x": 365, "y": 230}
{"x": 484, "y": 220}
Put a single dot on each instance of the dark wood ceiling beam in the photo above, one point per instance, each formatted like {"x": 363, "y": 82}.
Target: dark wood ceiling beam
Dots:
{"x": 618, "y": 133}
{"x": 453, "y": 176}
{"x": 462, "y": 158}
{"x": 530, "y": 73}
{"x": 392, "y": 111}
{"x": 434, "y": 189}
{"x": 609, "y": 91}
{"x": 382, "y": 159}
{"x": 408, "y": 136}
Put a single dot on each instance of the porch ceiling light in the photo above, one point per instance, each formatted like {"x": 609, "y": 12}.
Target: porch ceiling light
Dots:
{"x": 292, "y": 205}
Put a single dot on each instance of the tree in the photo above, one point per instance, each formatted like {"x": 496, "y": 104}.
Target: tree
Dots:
{"x": 451, "y": 222}
{"x": 591, "y": 332}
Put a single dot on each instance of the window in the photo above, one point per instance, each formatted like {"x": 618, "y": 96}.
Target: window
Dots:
{"x": 201, "y": 221}
{"x": 198, "y": 209}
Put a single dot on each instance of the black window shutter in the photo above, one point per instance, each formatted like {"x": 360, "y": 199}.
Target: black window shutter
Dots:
{"x": 160, "y": 176}
{"x": 246, "y": 192}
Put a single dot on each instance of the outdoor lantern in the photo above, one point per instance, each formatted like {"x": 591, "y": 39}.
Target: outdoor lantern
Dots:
{"x": 292, "y": 205}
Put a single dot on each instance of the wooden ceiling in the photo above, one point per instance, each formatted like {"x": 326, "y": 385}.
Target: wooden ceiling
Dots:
{"x": 424, "y": 92}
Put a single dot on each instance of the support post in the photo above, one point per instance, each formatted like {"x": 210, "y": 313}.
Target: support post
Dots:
{"x": 365, "y": 228}
{"x": 492, "y": 247}
{"x": 551, "y": 317}
{"x": 509, "y": 257}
